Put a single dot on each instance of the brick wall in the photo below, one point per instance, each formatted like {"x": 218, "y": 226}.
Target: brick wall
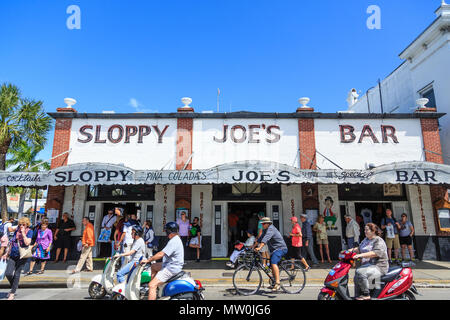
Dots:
{"x": 61, "y": 143}
{"x": 183, "y": 193}
{"x": 307, "y": 146}
{"x": 432, "y": 142}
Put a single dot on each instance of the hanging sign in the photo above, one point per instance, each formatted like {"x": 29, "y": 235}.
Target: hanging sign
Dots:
{"x": 236, "y": 172}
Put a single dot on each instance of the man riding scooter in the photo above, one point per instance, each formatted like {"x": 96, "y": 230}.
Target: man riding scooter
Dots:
{"x": 173, "y": 260}
{"x": 136, "y": 252}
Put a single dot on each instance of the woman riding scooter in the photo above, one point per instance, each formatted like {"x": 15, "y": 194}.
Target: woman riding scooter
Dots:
{"x": 374, "y": 261}
{"x": 137, "y": 252}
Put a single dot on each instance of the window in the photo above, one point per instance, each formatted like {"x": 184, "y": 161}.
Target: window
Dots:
{"x": 428, "y": 92}
{"x": 245, "y": 188}
{"x": 247, "y": 191}
{"x": 444, "y": 219}
{"x": 121, "y": 192}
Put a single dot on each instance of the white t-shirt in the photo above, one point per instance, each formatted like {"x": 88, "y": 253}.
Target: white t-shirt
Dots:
{"x": 128, "y": 239}
{"x": 173, "y": 255}
{"x": 5, "y": 229}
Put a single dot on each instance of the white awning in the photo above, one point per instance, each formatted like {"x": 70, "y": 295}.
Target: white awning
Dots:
{"x": 236, "y": 172}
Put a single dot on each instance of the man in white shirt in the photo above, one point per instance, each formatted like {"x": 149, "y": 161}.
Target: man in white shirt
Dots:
{"x": 107, "y": 223}
{"x": 173, "y": 260}
{"x": 351, "y": 232}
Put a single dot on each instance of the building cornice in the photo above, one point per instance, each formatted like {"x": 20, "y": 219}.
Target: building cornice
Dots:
{"x": 246, "y": 115}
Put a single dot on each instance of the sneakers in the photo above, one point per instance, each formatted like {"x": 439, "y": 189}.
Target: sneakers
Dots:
{"x": 230, "y": 264}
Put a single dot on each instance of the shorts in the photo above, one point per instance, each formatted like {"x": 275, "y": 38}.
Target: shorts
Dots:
{"x": 276, "y": 256}
{"x": 4, "y": 241}
{"x": 163, "y": 275}
{"x": 322, "y": 241}
{"x": 395, "y": 241}
{"x": 194, "y": 241}
{"x": 406, "y": 241}
{"x": 63, "y": 242}
{"x": 295, "y": 253}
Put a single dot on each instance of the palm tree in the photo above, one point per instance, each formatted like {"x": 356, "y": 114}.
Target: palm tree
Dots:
{"x": 23, "y": 158}
{"x": 20, "y": 119}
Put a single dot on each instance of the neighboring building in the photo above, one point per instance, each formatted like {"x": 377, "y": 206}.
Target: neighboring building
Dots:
{"x": 28, "y": 207}
{"x": 425, "y": 73}
{"x": 283, "y": 164}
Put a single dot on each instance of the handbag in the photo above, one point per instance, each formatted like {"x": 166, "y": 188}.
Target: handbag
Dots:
{"x": 26, "y": 252}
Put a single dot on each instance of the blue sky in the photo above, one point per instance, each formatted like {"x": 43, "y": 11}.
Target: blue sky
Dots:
{"x": 144, "y": 55}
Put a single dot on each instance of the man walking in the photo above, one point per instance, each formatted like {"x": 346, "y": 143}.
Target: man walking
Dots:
{"x": 88, "y": 242}
{"x": 308, "y": 247}
{"x": 351, "y": 232}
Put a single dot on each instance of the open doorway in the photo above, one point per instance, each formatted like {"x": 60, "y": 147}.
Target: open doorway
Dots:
{"x": 242, "y": 217}
{"x": 370, "y": 212}
{"x": 128, "y": 208}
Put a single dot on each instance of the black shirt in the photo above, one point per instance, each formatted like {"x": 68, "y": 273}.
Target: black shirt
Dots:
{"x": 65, "y": 225}
{"x": 194, "y": 231}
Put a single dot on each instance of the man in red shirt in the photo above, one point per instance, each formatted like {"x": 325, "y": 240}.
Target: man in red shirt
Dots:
{"x": 296, "y": 245}
{"x": 232, "y": 224}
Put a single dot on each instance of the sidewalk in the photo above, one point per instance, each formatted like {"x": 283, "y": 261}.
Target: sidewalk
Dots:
{"x": 427, "y": 274}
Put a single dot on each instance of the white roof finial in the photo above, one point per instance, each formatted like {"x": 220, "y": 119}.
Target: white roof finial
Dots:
{"x": 443, "y": 10}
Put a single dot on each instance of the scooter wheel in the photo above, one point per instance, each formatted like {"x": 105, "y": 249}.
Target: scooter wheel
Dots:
{"x": 409, "y": 295}
{"x": 117, "y": 296}
{"x": 325, "y": 296}
{"x": 96, "y": 290}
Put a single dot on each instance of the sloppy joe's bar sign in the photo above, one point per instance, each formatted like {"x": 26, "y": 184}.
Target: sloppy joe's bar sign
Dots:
{"x": 237, "y": 172}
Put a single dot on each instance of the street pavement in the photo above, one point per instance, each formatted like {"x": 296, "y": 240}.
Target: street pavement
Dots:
{"x": 218, "y": 292}
{"x": 434, "y": 274}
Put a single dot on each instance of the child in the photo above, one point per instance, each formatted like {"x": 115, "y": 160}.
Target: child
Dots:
{"x": 240, "y": 248}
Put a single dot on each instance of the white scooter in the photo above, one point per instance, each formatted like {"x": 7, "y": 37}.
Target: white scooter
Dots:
{"x": 136, "y": 285}
{"x": 103, "y": 284}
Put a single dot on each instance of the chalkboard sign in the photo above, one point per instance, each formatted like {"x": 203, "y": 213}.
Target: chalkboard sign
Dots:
{"x": 444, "y": 248}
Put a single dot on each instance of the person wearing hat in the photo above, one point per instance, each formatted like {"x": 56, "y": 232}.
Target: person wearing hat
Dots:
{"x": 273, "y": 238}
{"x": 308, "y": 242}
{"x": 264, "y": 251}
{"x": 296, "y": 244}
{"x": 239, "y": 248}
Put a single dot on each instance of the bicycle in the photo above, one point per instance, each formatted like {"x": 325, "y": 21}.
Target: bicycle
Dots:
{"x": 247, "y": 278}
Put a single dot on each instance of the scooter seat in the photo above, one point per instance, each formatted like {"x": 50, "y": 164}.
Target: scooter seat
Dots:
{"x": 392, "y": 273}
{"x": 176, "y": 277}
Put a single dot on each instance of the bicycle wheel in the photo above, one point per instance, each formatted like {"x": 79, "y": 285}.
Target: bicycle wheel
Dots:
{"x": 292, "y": 280}
{"x": 247, "y": 280}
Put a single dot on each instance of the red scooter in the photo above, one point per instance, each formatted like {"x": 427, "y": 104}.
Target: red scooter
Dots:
{"x": 396, "y": 284}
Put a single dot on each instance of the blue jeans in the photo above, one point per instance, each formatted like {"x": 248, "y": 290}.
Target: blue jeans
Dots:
{"x": 121, "y": 275}
{"x": 351, "y": 242}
